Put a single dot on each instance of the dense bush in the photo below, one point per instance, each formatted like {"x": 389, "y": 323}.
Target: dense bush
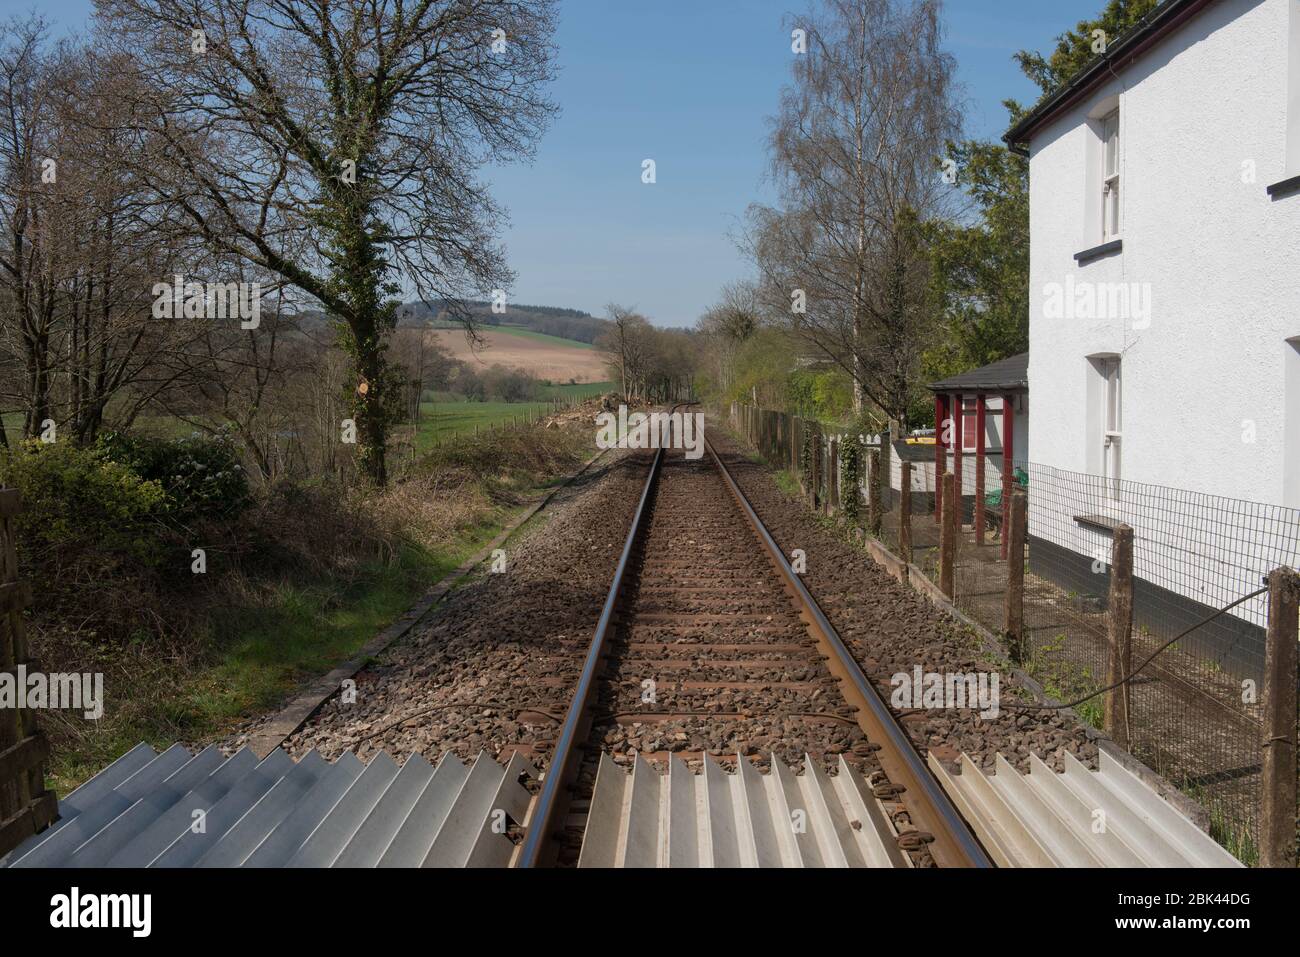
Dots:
{"x": 202, "y": 477}
{"x": 77, "y": 499}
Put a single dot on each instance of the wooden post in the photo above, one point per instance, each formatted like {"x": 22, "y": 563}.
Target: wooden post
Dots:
{"x": 887, "y": 464}
{"x": 979, "y": 470}
{"x": 905, "y": 513}
{"x": 1014, "y": 530}
{"x": 833, "y": 478}
{"x": 940, "y": 455}
{"x": 1278, "y": 781}
{"x": 874, "y": 516}
{"x": 958, "y": 447}
{"x": 1120, "y": 636}
{"x": 1008, "y": 468}
{"x": 948, "y": 535}
{"x": 26, "y": 807}
{"x": 815, "y": 466}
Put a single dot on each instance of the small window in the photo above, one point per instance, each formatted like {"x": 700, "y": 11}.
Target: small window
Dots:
{"x": 1110, "y": 177}
{"x": 1111, "y": 426}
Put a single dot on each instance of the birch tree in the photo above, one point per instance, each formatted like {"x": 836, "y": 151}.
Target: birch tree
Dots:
{"x": 855, "y": 149}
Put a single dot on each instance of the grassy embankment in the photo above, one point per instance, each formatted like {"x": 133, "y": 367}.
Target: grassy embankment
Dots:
{"x": 293, "y": 587}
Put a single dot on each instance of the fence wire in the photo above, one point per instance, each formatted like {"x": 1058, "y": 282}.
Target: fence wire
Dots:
{"x": 1195, "y": 715}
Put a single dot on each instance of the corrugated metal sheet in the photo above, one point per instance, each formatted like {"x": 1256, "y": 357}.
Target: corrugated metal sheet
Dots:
{"x": 1081, "y": 818}
{"x": 642, "y": 818}
{"x": 140, "y": 811}
{"x": 178, "y": 809}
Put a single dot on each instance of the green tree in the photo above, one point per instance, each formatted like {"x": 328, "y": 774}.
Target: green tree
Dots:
{"x": 982, "y": 268}
{"x": 1076, "y": 48}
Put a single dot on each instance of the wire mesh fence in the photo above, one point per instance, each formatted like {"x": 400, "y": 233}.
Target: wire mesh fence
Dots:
{"x": 1195, "y": 713}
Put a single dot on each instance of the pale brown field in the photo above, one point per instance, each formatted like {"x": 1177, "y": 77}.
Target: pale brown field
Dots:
{"x": 545, "y": 360}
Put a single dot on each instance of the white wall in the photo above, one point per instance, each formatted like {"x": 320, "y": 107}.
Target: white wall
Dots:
{"x": 1222, "y": 260}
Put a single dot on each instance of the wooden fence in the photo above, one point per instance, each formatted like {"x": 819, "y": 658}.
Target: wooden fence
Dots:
{"x": 26, "y": 807}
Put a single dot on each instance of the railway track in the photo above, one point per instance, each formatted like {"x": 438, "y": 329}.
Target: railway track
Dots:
{"x": 709, "y": 642}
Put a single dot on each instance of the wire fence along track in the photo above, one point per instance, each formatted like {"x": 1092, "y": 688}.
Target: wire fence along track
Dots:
{"x": 1195, "y": 717}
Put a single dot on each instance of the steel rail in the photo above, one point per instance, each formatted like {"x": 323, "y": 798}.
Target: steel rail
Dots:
{"x": 928, "y": 805}
{"x": 566, "y": 760}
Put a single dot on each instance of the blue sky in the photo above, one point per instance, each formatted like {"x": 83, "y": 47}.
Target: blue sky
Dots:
{"x": 690, "y": 84}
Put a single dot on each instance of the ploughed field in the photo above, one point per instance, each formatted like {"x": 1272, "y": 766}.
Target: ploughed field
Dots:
{"x": 546, "y": 357}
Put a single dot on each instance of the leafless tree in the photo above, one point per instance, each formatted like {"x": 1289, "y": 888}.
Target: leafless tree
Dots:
{"x": 726, "y": 325}
{"x": 854, "y": 154}
{"x": 335, "y": 144}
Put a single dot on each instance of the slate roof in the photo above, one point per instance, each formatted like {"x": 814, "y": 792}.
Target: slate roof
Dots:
{"x": 1005, "y": 375}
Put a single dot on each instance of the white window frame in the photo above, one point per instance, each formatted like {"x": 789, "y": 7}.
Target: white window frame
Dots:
{"x": 1110, "y": 167}
{"x": 1112, "y": 425}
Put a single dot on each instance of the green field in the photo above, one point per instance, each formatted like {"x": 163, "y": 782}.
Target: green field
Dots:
{"x": 583, "y": 390}
{"x": 541, "y": 337}
{"x": 441, "y": 420}
{"x": 516, "y": 331}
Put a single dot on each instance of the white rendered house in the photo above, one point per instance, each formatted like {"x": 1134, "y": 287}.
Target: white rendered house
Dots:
{"x": 1165, "y": 295}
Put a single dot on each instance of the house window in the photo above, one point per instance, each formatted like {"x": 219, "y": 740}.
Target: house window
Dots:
{"x": 1111, "y": 425}
{"x": 969, "y": 423}
{"x": 1110, "y": 177}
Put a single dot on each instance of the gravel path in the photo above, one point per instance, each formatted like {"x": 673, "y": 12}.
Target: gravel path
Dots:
{"x": 487, "y": 669}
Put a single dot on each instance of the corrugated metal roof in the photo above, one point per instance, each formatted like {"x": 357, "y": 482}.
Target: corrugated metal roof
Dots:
{"x": 1082, "y": 818}
{"x": 642, "y": 818}
{"x": 178, "y": 809}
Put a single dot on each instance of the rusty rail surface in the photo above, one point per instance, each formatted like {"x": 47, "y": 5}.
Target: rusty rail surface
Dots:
{"x": 930, "y": 808}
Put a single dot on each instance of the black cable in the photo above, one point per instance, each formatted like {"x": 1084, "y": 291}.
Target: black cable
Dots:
{"x": 1134, "y": 673}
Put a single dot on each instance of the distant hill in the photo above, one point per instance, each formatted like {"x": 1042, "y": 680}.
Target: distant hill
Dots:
{"x": 572, "y": 324}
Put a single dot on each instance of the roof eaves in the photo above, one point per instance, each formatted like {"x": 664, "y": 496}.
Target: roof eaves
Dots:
{"x": 1126, "y": 48}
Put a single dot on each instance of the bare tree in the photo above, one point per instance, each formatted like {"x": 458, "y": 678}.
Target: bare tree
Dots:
{"x": 854, "y": 153}
{"x": 83, "y": 241}
{"x": 335, "y": 144}
{"x": 727, "y": 325}
{"x": 624, "y": 345}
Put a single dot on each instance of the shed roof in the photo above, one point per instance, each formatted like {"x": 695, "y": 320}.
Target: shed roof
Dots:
{"x": 1005, "y": 375}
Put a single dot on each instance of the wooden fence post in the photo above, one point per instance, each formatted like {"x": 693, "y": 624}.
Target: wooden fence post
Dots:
{"x": 1014, "y": 531}
{"x": 948, "y": 534}
{"x": 833, "y": 478}
{"x": 873, "y": 485}
{"x": 905, "y": 513}
{"x": 25, "y": 806}
{"x": 1008, "y": 486}
{"x": 1120, "y": 636}
{"x": 978, "y": 517}
{"x": 886, "y": 464}
{"x": 815, "y": 466}
{"x": 1277, "y": 834}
